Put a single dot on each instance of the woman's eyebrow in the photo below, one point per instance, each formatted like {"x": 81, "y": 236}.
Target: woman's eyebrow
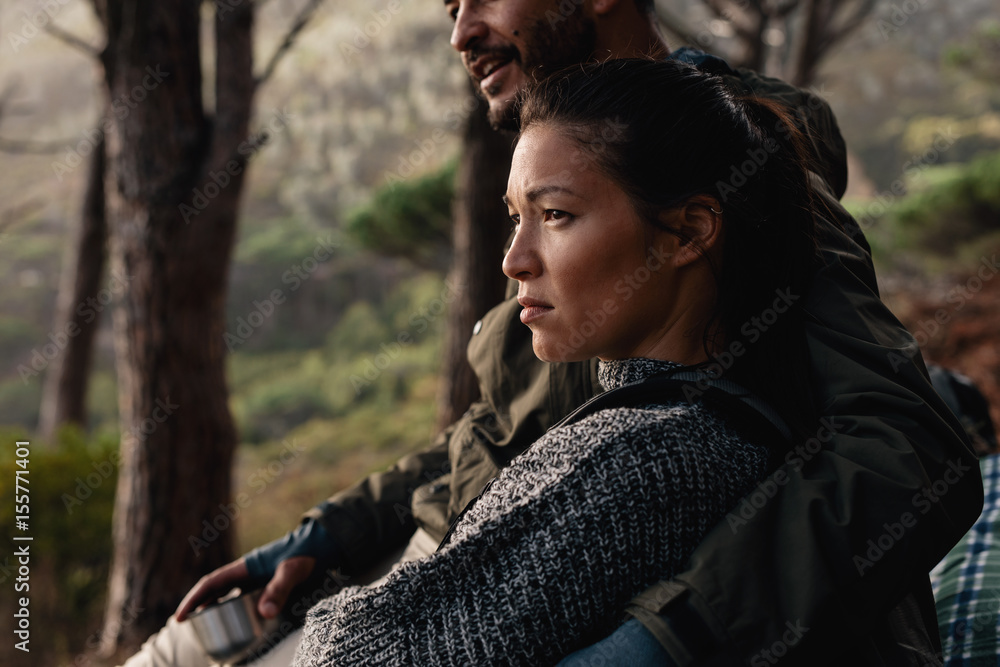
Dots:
{"x": 541, "y": 190}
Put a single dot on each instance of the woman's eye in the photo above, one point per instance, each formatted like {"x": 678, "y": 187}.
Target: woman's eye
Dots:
{"x": 515, "y": 218}
{"x": 556, "y": 214}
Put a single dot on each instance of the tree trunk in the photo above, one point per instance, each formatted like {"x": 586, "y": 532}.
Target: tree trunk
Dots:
{"x": 174, "y": 185}
{"x": 480, "y": 231}
{"x": 811, "y": 49}
{"x": 64, "y": 394}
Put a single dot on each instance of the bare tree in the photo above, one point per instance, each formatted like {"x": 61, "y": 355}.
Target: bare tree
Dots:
{"x": 65, "y": 385}
{"x": 175, "y": 173}
{"x": 64, "y": 393}
{"x": 479, "y": 232}
{"x": 784, "y": 38}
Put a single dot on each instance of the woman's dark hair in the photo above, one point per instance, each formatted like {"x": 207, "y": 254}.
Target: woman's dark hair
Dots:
{"x": 664, "y": 133}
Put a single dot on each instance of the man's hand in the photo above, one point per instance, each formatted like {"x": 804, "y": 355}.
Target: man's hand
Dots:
{"x": 290, "y": 573}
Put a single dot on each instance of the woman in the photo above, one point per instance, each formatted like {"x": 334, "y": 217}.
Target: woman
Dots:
{"x": 634, "y": 243}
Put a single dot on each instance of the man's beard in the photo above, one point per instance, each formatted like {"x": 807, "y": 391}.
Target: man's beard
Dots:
{"x": 547, "y": 49}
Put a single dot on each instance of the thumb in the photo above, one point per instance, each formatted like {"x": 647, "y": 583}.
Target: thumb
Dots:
{"x": 289, "y": 574}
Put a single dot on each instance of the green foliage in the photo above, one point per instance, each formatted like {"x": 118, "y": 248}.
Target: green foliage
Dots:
{"x": 19, "y": 400}
{"x": 361, "y": 325}
{"x": 71, "y": 498}
{"x": 373, "y": 359}
{"x": 409, "y": 219}
{"x": 277, "y": 242}
{"x": 958, "y": 206}
{"x": 978, "y": 54}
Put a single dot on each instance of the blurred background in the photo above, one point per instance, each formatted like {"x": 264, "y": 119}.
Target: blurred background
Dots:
{"x": 348, "y": 299}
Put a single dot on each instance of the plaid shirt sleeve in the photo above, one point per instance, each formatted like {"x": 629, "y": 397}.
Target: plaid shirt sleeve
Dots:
{"x": 967, "y": 584}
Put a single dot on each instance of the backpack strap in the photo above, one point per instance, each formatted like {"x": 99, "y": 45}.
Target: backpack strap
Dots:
{"x": 748, "y": 413}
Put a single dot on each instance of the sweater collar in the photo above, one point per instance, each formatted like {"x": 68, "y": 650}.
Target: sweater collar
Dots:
{"x": 620, "y": 372}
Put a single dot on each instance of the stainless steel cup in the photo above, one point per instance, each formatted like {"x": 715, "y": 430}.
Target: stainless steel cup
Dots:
{"x": 230, "y": 629}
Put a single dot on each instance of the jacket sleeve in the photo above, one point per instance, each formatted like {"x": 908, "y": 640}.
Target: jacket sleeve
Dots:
{"x": 373, "y": 517}
{"x": 562, "y": 536}
{"x": 839, "y": 534}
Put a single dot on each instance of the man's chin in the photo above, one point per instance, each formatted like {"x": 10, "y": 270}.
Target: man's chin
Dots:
{"x": 502, "y": 115}
{"x": 501, "y": 98}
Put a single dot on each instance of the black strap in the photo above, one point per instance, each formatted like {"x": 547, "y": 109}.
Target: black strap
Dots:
{"x": 749, "y": 414}
{"x": 752, "y": 417}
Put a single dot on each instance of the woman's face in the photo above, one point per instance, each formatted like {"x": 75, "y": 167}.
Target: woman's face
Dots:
{"x": 594, "y": 279}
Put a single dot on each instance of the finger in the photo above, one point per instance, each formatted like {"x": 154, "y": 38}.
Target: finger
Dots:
{"x": 290, "y": 573}
{"x": 212, "y": 584}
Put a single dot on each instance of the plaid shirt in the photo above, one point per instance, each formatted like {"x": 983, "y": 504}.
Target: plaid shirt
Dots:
{"x": 967, "y": 584}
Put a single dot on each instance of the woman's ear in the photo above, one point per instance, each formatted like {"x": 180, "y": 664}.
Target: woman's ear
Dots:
{"x": 697, "y": 224}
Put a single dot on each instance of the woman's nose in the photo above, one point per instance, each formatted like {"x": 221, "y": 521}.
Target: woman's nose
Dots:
{"x": 522, "y": 260}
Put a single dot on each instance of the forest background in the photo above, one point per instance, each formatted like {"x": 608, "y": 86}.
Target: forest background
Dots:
{"x": 339, "y": 295}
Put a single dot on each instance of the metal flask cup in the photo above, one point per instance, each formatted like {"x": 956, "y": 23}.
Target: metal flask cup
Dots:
{"x": 231, "y": 628}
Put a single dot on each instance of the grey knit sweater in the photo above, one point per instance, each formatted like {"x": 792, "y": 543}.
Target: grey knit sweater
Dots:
{"x": 545, "y": 561}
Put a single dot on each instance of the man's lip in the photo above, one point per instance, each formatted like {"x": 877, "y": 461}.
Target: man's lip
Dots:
{"x": 479, "y": 61}
{"x": 489, "y": 80}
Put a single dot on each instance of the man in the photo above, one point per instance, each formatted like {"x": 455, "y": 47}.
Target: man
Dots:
{"x": 967, "y": 582}
{"x": 839, "y": 539}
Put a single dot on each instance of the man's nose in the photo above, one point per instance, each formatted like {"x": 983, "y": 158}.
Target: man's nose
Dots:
{"x": 469, "y": 28}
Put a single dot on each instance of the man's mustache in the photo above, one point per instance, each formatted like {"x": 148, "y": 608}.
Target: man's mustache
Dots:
{"x": 506, "y": 52}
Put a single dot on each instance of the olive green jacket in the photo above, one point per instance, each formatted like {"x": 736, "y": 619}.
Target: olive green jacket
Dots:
{"x": 811, "y": 569}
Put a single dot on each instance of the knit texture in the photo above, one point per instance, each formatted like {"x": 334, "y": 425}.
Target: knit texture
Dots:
{"x": 545, "y": 561}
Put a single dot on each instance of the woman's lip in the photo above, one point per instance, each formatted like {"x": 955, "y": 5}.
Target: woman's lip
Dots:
{"x": 531, "y": 313}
